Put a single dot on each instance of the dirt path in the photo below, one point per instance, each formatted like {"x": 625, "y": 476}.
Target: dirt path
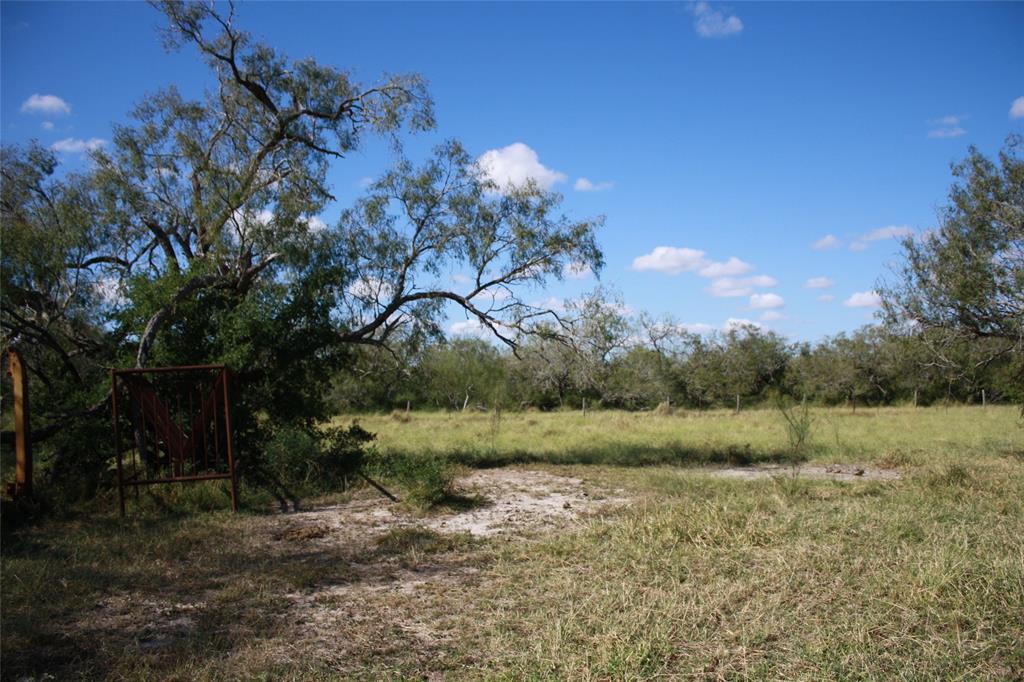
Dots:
{"x": 835, "y": 472}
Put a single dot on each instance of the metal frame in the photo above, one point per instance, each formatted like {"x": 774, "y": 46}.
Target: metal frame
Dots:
{"x": 164, "y": 452}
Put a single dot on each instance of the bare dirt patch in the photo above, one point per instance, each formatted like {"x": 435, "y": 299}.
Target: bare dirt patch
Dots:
{"x": 835, "y": 472}
{"x": 497, "y": 501}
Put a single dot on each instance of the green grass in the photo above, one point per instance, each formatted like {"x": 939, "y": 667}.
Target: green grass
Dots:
{"x": 697, "y": 577}
{"x": 882, "y": 436}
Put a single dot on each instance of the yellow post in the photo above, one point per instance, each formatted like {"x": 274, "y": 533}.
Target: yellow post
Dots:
{"x": 22, "y": 435}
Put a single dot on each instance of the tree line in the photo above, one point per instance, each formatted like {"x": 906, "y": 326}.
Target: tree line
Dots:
{"x": 622, "y": 363}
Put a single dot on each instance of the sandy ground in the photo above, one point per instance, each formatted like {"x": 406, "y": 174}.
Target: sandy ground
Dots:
{"x": 835, "y": 472}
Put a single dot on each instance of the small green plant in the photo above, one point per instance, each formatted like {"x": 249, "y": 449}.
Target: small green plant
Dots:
{"x": 799, "y": 422}
{"x": 494, "y": 425}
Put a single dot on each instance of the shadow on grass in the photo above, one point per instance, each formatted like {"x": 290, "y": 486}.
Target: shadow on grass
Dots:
{"x": 627, "y": 456}
{"x": 157, "y": 597}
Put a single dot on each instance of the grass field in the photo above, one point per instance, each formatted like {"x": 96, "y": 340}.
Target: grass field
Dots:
{"x": 681, "y": 574}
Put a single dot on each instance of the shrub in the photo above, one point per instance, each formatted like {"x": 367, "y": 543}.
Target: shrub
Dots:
{"x": 427, "y": 479}
{"x": 317, "y": 459}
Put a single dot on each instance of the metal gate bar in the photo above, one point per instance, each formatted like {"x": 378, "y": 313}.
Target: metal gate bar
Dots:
{"x": 172, "y": 444}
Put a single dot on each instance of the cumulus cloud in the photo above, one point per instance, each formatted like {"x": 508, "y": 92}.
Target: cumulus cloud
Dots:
{"x": 459, "y": 278}
{"x": 863, "y": 299}
{"x": 731, "y": 287}
{"x": 670, "y": 260}
{"x": 46, "y": 125}
{"x": 468, "y": 328}
{"x": 941, "y": 133}
{"x": 769, "y": 315}
{"x": 515, "y": 165}
{"x": 946, "y": 126}
{"x": 585, "y": 185}
{"x": 1017, "y": 108}
{"x": 818, "y": 283}
{"x": 826, "y": 297}
{"x": 829, "y": 241}
{"x": 315, "y": 225}
{"x": 713, "y": 23}
{"x": 766, "y": 301}
{"x": 739, "y": 323}
{"x": 72, "y": 145}
{"x": 887, "y": 232}
{"x": 555, "y": 304}
{"x": 697, "y": 327}
{"x": 674, "y": 260}
{"x": 49, "y": 105}
{"x": 371, "y": 290}
{"x": 733, "y": 266}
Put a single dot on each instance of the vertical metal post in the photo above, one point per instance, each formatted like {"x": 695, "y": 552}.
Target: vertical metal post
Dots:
{"x": 225, "y": 379}
{"x": 117, "y": 440}
{"x": 22, "y": 435}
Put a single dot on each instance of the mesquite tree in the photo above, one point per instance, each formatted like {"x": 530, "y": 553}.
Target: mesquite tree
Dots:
{"x": 197, "y": 230}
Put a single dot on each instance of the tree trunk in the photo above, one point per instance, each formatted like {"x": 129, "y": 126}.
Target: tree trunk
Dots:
{"x": 915, "y": 397}
{"x": 737, "y": 403}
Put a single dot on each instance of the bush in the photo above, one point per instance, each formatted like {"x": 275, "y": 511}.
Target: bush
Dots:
{"x": 317, "y": 459}
{"x": 427, "y": 479}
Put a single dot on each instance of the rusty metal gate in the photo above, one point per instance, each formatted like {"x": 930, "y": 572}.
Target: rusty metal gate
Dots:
{"x": 179, "y": 423}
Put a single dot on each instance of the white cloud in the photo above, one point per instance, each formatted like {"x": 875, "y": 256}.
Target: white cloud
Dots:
{"x": 371, "y": 290}
{"x": 585, "y": 185}
{"x": 364, "y": 182}
{"x": 733, "y": 266}
{"x": 46, "y": 125}
{"x": 829, "y": 241}
{"x": 941, "y": 133}
{"x": 555, "y": 304}
{"x": 72, "y": 145}
{"x": 888, "y": 232}
{"x": 731, "y": 287}
{"x": 765, "y": 301}
{"x": 109, "y": 290}
{"x": 947, "y": 126}
{"x": 468, "y": 328}
{"x": 515, "y": 165}
{"x": 697, "y": 327}
{"x": 576, "y": 270}
{"x": 1017, "y": 108}
{"x": 315, "y": 225}
{"x": 670, "y": 260}
{"x": 819, "y": 283}
{"x": 769, "y": 315}
{"x": 826, "y": 297}
{"x": 459, "y": 278}
{"x": 713, "y": 23}
{"x": 863, "y": 299}
{"x": 50, "y": 105}
{"x": 738, "y": 323}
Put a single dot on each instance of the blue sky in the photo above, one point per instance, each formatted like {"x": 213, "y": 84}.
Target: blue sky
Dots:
{"x": 734, "y": 137}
